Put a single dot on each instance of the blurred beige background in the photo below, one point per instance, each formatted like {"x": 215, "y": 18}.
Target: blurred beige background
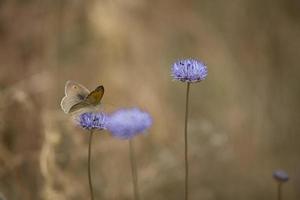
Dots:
{"x": 244, "y": 119}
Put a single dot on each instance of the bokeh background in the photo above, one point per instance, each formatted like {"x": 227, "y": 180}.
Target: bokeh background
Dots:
{"x": 244, "y": 119}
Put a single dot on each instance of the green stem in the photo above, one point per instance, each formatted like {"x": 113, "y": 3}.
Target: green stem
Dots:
{"x": 279, "y": 191}
{"x": 186, "y": 142}
{"x": 133, "y": 170}
{"x": 89, "y": 166}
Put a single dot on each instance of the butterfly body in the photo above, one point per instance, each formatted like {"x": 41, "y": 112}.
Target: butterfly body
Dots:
{"x": 79, "y": 98}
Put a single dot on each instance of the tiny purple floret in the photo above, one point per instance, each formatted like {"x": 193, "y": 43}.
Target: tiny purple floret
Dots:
{"x": 189, "y": 70}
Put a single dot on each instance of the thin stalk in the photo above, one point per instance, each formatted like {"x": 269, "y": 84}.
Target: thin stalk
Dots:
{"x": 186, "y": 142}
{"x": 89, "y": 166}
{"x": 133, "y": 170}
{"x": 279, "y": 191}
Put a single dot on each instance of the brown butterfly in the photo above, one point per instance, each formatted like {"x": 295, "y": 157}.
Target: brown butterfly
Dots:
{"x": 79, "y": 98}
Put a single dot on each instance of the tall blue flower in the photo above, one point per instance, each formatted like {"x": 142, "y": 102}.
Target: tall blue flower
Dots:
{"x": 189, "y": 70}
{"x": 91, "y": 121}
{"x": 127, "y": 123}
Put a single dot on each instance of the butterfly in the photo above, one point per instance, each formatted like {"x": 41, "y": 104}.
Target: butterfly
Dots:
{"x": 79, "y": 98}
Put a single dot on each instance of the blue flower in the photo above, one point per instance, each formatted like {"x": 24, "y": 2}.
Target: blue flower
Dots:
{"x": 92, "y": 121}
{"x": 280, "y": 176}
{"x": 127, "y": 123}
{"x": 189, "y": 70}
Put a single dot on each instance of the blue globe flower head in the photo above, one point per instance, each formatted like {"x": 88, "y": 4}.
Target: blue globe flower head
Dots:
{"x": 189, "y": 70}
{"x": 127, "y": 123}
{"x": 280, "y": 176}
{"x": 91, "y": 121}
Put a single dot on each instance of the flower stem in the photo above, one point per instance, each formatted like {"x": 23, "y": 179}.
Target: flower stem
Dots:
{"x": 185, "y": 140}
{"x": 89, "y": 166}
{"x": 133, "y": 170}
{"x": 279, "y": 191}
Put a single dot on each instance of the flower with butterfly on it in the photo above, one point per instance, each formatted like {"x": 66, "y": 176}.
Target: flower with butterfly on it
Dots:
{"x": 92, "y": 121}
{"x": 189, "y": 70}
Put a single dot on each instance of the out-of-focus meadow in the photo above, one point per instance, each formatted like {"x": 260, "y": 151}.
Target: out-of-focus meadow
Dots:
{"x": 244, "y": 119}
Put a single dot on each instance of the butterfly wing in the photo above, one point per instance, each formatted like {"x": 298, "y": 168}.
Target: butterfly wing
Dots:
{"x": 82, "y": 106}
{"x": 74, "y": 94}
{"x": 95, "y": 96}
